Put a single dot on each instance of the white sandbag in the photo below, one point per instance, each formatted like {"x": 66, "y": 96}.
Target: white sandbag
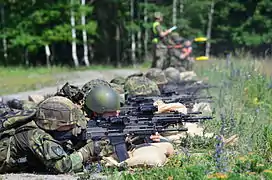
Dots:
{"x": 188, "y": 75}
{"x": 202, "y": 107}
{"x": 163, "y": 107}
{"x": 35, "y": 98}
{"x": 151, "y": 156}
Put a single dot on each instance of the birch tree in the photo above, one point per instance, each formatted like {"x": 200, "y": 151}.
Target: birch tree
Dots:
{"x": 181, "y": 6}
{"x": 145, "y": 29}
{"x": 74, "y": 46}
{"x": 4, "y": 41}
{"x": 209, "y": 29}
{"x": 133, "y": 43}
{"x": 47, "y": 53}
{"x": 84, "y": 36}
{"x": 174, "y": 11}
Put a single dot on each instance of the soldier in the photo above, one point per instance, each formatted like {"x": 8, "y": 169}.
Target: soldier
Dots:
{"x": 172, "y": 75}
{"x": 159, "y": 41}
{"x": 48, "y": 141}
{"x": 141, "y": 85}
{"x": 158, "y": 76}
{"x": 103, "y": 101}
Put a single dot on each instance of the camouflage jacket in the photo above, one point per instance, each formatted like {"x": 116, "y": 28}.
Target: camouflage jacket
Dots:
{"x": 29, "y": 148}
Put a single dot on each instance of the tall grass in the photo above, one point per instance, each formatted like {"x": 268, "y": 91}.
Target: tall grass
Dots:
{"x": 242, "y": 107}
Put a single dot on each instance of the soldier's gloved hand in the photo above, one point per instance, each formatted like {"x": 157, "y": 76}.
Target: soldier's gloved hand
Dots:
{"x": 89, "y": 150}
{"x": 95, "y": 149}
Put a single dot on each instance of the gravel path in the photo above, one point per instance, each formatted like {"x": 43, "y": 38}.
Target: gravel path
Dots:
{"x": 77, "y": 78}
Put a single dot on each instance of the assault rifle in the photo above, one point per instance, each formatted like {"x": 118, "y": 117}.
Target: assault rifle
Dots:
{"x": 170, "y": 90}
{"x": 116, "y": 129}
{"x": 184, "y": 99}
{"x": 145, "y": 110}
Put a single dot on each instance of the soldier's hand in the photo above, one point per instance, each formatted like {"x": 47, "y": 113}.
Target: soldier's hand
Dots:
{"x": 88, "y": 151}
{"x": 156, "y": 137}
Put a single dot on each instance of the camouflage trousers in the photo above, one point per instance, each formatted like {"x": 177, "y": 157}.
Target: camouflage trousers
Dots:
{"x": 160, "y": 55}
{"x": 181, "y": 64}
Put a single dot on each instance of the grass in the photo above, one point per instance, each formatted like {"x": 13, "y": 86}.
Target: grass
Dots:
{"x": 19, "y": 79}
{"x": 242, "y": 107}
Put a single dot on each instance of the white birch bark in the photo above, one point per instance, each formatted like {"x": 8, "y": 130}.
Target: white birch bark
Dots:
{"x": 209, "y": 29}
{"x": 47, "y": 53}
{"x": 146, "y": 30}
{"x": 74, "y": 46}
{"x": 4, "y": 40}
{"x": 133, "y": 43}
{"x": 84, "y": 36}
{"x": 174, "y": 13}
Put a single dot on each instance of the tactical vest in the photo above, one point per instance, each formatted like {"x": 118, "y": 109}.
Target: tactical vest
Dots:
{"x": 10, "y": 120}
{"x": 156, "y": 36}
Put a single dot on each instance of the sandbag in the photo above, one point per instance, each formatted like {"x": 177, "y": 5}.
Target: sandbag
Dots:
{"x": 202, "y": 107}
{"x": 35, "y": 98}
{"x": 151, "y": 156}
{"x": 163, "y": 107}
{"x": 188, "y": 75}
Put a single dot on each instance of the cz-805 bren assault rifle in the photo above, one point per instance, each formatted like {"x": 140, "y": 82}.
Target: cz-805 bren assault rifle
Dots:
{"x": 184, "y": 99}
{"x": 116, "y": 129}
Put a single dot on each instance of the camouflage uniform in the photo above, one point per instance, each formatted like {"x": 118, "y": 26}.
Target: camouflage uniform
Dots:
{"x": 156, "y": 75}
{"x": 172, "y": 75}
{"x": 118, "y": 80}
{"x": 141, "y": 85}
{"x": 175, "y": 53}
{"x": 34, "y": 147}
{"x": 160, "y": 51}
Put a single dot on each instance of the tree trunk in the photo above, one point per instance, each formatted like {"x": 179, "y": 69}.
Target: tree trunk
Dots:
{"x": 181, "y": 6}
{"x": 48, "y": 53}
{"x": 74, "y": 47}
{"x": 209, "y": 30}
{"x": 174, "y": 11}
{"x": 84, "y": 36}
{"x": 4, "y": 40}
{"x": 118, "y": 46}
{"x": 139, "y": 36}
{"x": 145, "y": 30}
{"x": 133, "y": 43}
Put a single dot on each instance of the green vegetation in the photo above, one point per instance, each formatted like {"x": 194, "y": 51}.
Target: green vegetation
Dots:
{"x": 114, "y": 27}
{"x": 243, "y": 108}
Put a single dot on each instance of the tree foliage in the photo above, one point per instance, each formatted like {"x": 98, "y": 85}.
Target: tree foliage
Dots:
{"x": 27, "y": 26}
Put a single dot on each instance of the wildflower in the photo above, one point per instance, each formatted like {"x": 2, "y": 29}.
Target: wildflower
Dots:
{"x": 218, "y": 176}
{"x": 260, "y": 165}
{"x": 242, "y": 158}
{"x": 267, "y": 171}
{"x": 170, "y": 178}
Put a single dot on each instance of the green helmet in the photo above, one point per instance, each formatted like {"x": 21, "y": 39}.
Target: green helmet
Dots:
{"x": 172, "y": 75}
{"x": 120, "y": 90}
{"x": 102, "y": 99}
{"x": 141, "y": 86}
{"x": 158, "y": 15}
{"x": 156, "y": 75}
{"x": 57, "y": 111}
{"x": 92, "y": 84}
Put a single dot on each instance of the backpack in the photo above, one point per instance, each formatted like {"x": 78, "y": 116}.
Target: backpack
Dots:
{"x": 10, "y": 120}
{"x": 13, "y": 118}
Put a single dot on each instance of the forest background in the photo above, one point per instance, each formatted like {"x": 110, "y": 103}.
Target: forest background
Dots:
{"x": 118, "y": 32}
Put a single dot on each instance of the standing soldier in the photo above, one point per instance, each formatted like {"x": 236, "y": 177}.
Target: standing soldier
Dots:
{"x": 159, "y": 41}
